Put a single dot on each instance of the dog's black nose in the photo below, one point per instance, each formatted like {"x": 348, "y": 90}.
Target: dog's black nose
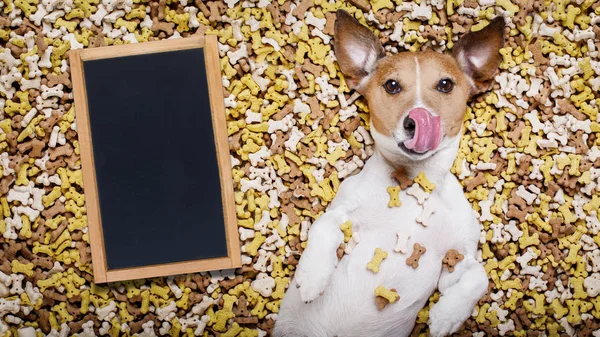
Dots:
{"x": 409, "y": 126}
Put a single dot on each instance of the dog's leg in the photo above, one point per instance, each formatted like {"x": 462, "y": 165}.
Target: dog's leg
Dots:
{"x": 319, "y": 259}
{"x": 460, "y": 291}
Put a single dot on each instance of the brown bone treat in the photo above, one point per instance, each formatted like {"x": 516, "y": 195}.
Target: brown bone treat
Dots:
{"x": 11, "y": 251}
{"x": 286, "y": 110}
{"x": 49, "y": 122}
{"x": 52, "y": 166}
{"x": 12, "y": 136}
{"x": 166, "y": 27}
{"x": 277, "y": 147}
{"x": 63, "y": 78}
{"x": 5, "y": 184}
{"x": 41, "y": 44}
{"x": 330, "y": 24}
{"x": 217, "y": 8}
{"x": 241, "y": 307}
{"x": 58, "y": 231}
{"x": 61, "y": 151}
{"x": 84, "y": 253}
{"x": 57, "y": 208}
{"x": 291, "y": 260}
{"x": 365, "y": 6}
{"x": 157, "y": 9}
{"x": 382, "y": 302}
{"x": 302, "y": 8}
{"x": 580, "y": 145}
{"x": 400, "y": 175}
{"x": 349, "y": 125}
{"x": 246, "y": 320}
{"x": 315, "y": 108}
{"x": 515, "y": 134}
{"x": 5, "y": 267}
{"x": 278, "y": 16}
{"x": 312, "y": 68}
{"x": 565, "y": 106}
{"x": 72, "y": 161}
{"x": 523, "y": 168}
{"x": 97, "y": 40}
{"x": 50, "y": 293}
{"x": 473, "y": 183}
{"x": 536, "y": 52}
{"x": 39, "y": 233}
{"x": 267, "y": 325}
{"x": 431, "y": 33}
{"x": 35, "y": 145}
{"x": 413, "y": 259}
{"x": 200, "y": 4}
{"x": 73, "y": 310}
{"x": 202, "y": 281}
{"x": 340, "y": 251}
{"x": 300, "y": 74}
{"x": 15, "y": 50}
{"x": 44, "y": 320}
{"x": 4, "y": 21}
{"x": 17, "y": 160}
{"x": 230, "y": 283}
{"x": 290, "y": 211}
{"x": 451, "y": 259}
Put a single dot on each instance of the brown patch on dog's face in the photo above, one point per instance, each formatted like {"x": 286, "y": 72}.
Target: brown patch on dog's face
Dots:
{"x": 418, "y": 75}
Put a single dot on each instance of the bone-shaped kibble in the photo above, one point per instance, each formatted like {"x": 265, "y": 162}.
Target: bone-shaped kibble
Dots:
{"x": 413, "y": 259}
{"x": 451, "y": 259}
{"x": 402, "y": 244}
{"x": 416, "y": 191}
{"x": 394, "y": 197}
{"x": 379, "y": 256}
{"x": 383, "y": 297}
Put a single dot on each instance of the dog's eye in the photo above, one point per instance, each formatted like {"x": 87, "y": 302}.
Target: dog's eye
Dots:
{"x": 445, "y": 85}
{"x": 392, "y": 86}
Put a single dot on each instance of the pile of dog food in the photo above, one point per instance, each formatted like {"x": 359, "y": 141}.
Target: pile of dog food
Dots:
{"x": 529, "y": 159}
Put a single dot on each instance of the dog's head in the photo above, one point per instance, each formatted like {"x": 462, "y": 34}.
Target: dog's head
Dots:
{"x": 417, "y": 101}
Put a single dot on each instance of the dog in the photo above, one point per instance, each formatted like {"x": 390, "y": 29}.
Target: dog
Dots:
{"x": 417, "y": 103}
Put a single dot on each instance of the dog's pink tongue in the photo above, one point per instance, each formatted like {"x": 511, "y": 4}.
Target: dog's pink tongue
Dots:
{"x": 428, "y": 131}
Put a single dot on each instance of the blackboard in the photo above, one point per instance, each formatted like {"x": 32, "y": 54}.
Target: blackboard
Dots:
{"x": 155, "y": 159}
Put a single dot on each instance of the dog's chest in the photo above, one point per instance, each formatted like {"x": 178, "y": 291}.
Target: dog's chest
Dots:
{"x": 442, "y": 222}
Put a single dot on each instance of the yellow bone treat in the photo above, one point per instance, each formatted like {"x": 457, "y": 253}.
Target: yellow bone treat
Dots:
{"x": 394, "y": 191}
{"x": 383, "y": 296}
{"x": 422, "y": 180}
{"x": 346, "y": 228}
{"x": 379, "y": 256}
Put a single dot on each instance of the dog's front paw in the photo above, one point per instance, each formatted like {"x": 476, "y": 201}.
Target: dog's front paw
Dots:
{"x": 313, "y": 274}
{"x": 444, "y": 319}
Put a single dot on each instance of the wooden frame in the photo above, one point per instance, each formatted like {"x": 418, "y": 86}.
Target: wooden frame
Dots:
{"x": 212, "y": 64}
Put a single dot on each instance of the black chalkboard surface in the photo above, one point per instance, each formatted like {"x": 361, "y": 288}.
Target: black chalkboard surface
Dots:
{"x": 156, "y": 162}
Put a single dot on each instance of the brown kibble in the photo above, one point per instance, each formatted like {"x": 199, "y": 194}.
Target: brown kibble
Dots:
{"x": 330, "y": 24}
{"x": 49, "y": 122}
{"x": 451, "y": 259}
{"x": 365, "y": 6}
{"x": 52, "y": 166}
{"x": 241, "y": 307}
{"x": 278, "y": 139}
{"x": 64, "y": 150}
{"x": 301, "y": 78}
{"x": 315, "y": 108}
{"x": 166, "y": 27}
{"x": 473, "y": 183}
{"x": 312, "y": 68}
{"x": 286, "y": 110}
{"x": 85, "y": 256}
{"x": 230, "y": 283}
{"x": 413, "y": 259}
{"x": 302, "y": 8}
{"x": 536, "y": 51}
{"x": 400, "y": 175}
{"x": 5, "y": 184}
{"x": 57, "y": 208}
{"x": 54, "y": 79}
{"x": 35, "y": 145}
{"x": 217, "y": 8}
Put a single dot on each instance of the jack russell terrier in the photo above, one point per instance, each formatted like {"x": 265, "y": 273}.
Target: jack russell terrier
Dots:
{"x": 417, "y": 103}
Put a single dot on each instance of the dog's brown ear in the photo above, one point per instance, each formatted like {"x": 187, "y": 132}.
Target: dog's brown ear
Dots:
{"x": 357, "y": 49}
{"x": 478, "y": 54}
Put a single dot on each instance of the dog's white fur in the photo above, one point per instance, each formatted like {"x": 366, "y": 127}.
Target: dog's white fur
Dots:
{"x": 336, "y": 298}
